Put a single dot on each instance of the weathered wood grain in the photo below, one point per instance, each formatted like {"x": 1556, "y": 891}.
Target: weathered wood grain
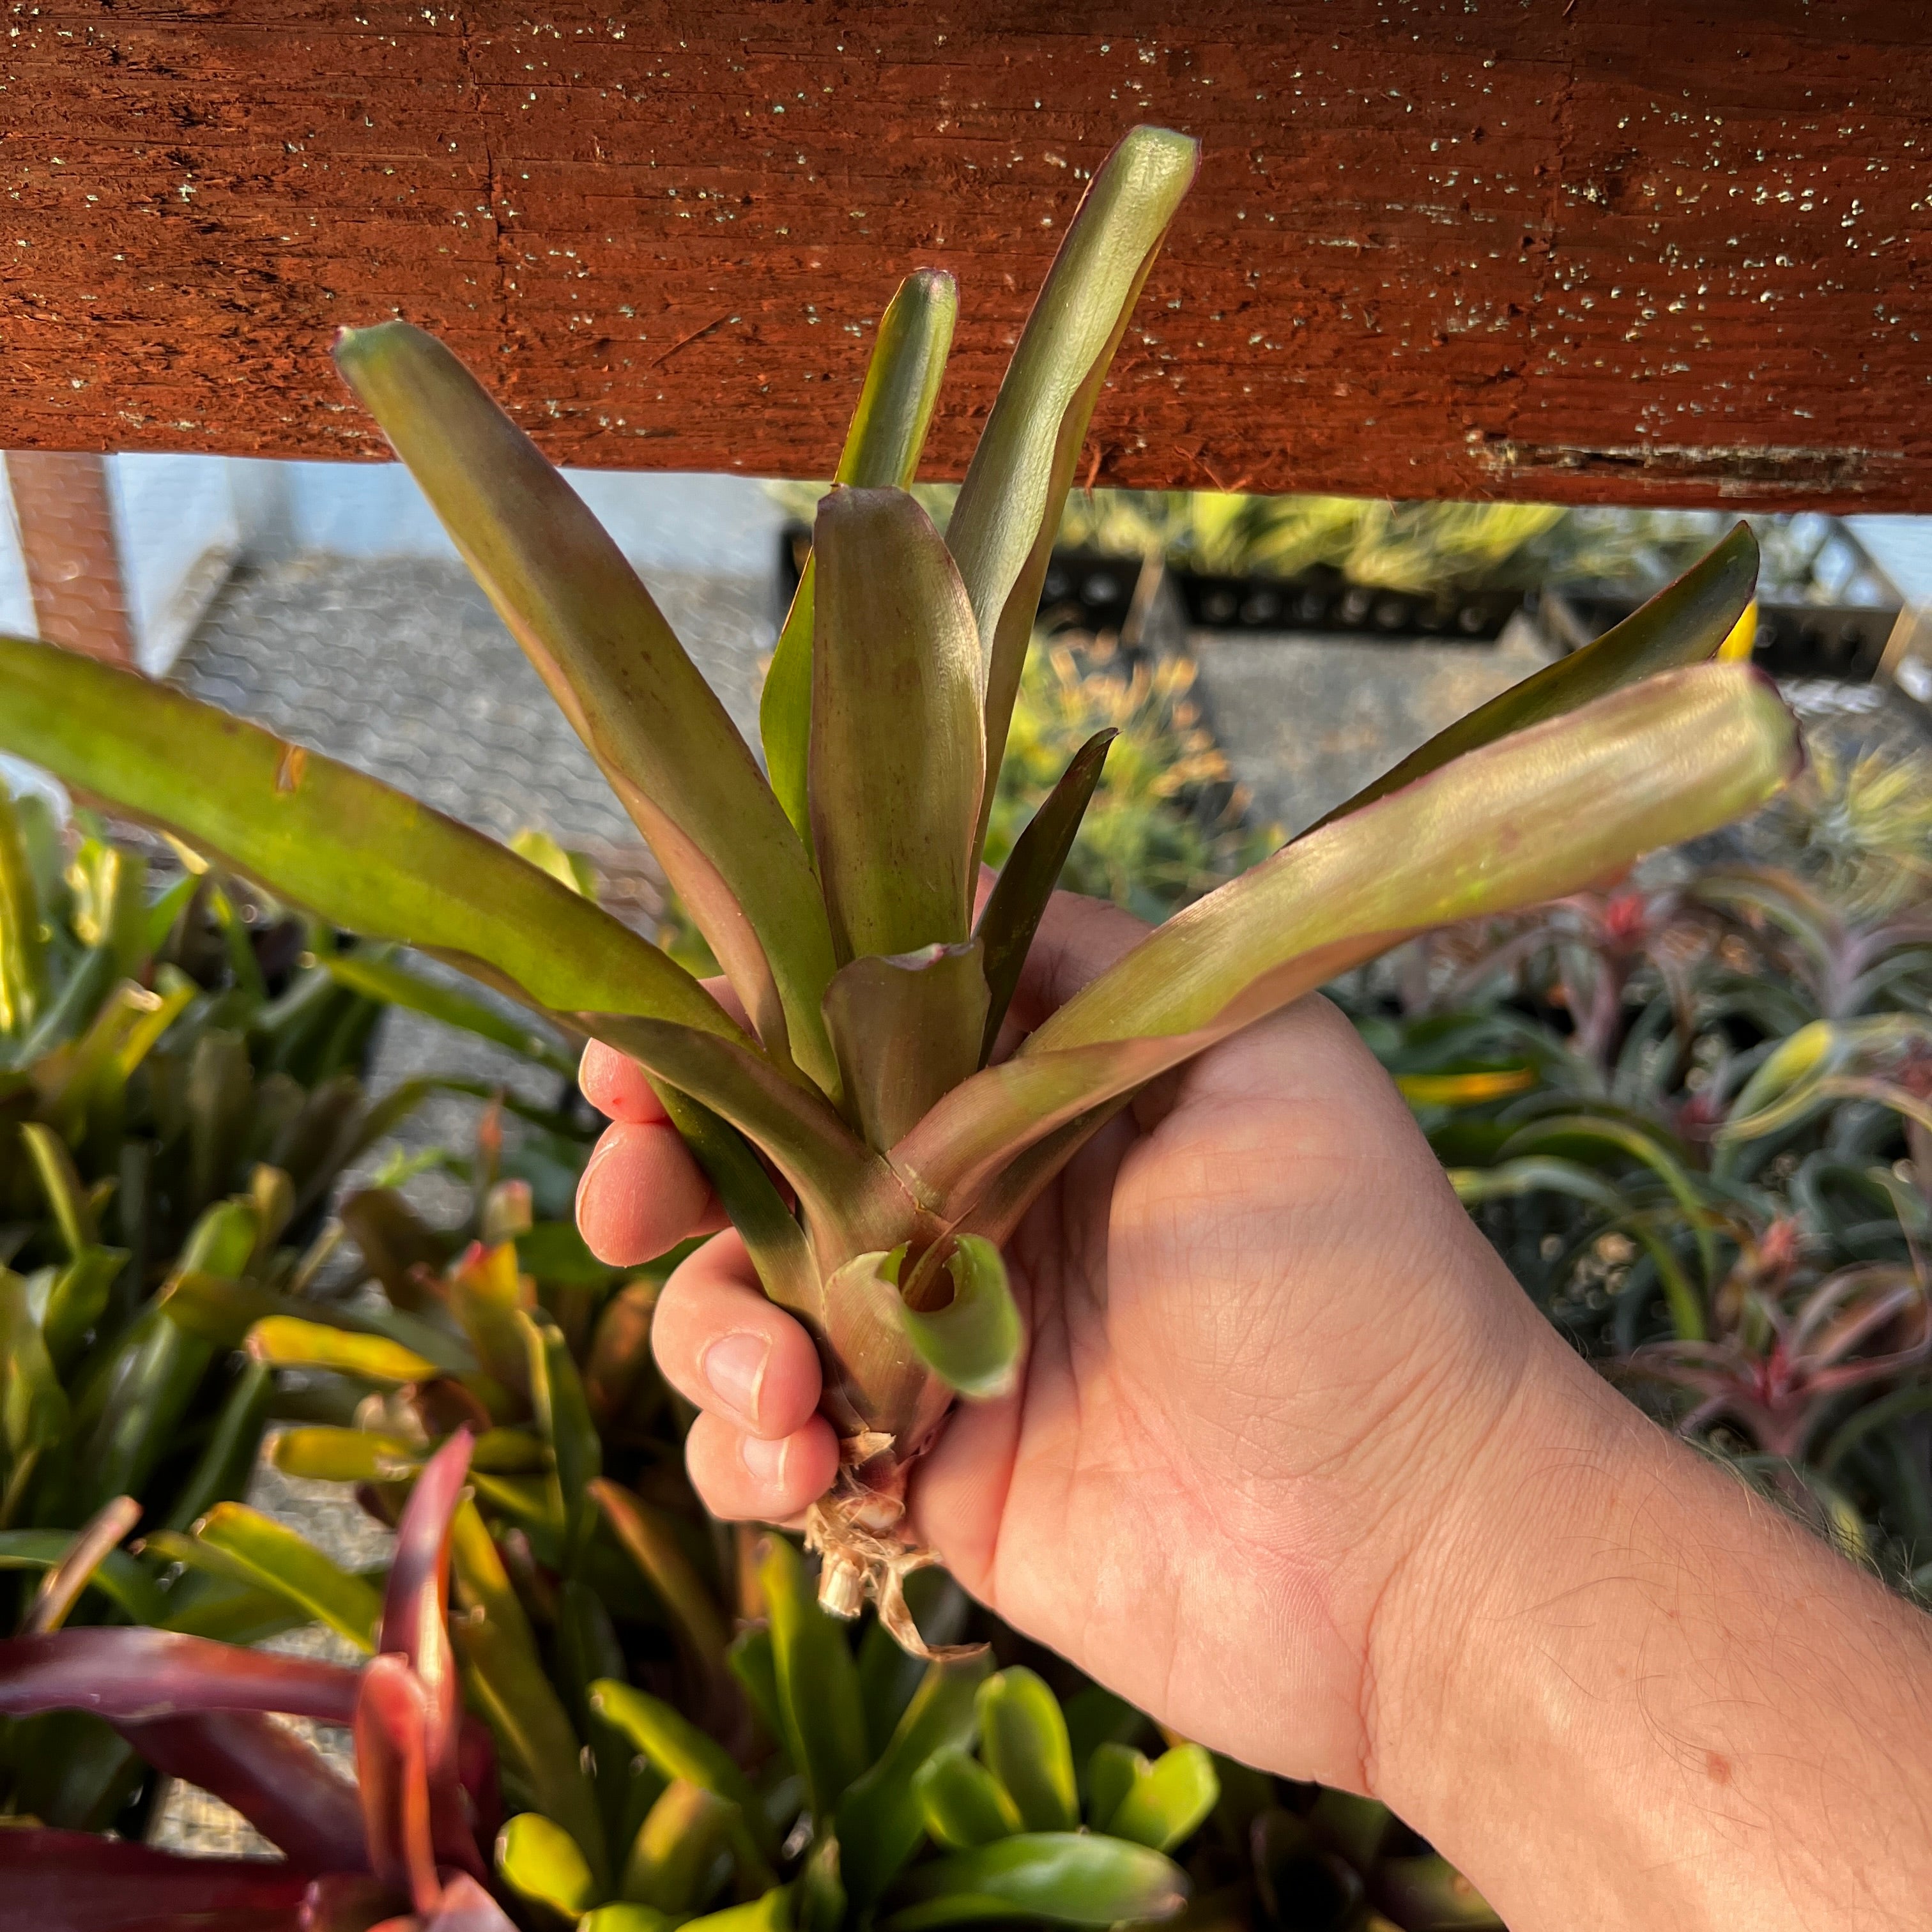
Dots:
{"x": 1671, "y": 251}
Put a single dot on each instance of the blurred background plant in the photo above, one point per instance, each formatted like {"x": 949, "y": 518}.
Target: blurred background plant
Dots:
{"x": 1691, "y": 1112}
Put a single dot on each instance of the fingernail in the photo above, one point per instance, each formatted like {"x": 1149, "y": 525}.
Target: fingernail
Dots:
{"x": 734, "y": 1365}
{"x": 765, "y": 1460}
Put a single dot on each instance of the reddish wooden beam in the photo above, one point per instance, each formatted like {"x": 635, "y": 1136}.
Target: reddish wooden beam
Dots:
{"x": 1666, "y": 250}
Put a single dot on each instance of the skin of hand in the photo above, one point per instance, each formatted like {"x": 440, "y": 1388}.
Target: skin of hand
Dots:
{"x": 1296, "y": 1467}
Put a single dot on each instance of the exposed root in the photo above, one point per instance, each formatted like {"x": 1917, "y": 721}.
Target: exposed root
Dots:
{"x": 864, "y": 1552}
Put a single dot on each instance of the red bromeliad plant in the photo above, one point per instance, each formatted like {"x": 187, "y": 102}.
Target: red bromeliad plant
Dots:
{"x": 839, "y": 895}
{"x": 405, "y": 1849}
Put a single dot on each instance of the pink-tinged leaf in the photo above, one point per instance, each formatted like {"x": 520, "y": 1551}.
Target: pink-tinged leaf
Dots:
{"x": 391, "y": 1750}
{"x": 907, "y": 1029}
{"x": 616, "y": 669}
{"x": 465, "y": 1906}
{"x": 1533, "y": 815}
{"x": 1009, "y": 509}
{"x": 415, "y": 1623}
{"x": 131, "y": 1676}
{"x": 882, "y": 446}
{"x": 75, "y": 1882}
{"x": 896, "y": 761}
{"x": 60, "y": 1588}
{"x": 284, "y": 1787}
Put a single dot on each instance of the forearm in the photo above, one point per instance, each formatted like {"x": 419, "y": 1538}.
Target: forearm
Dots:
{"x": 1618, "y": 1689}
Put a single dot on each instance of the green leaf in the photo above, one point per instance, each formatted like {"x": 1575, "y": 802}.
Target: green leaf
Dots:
{"x": 961, "y": 1803}
{"x": 976, "y": 1340}
{"x": 324, "y": 1455}
{"x": 322, "y": 834}
{"x": 771, "y": 1913}
{"x": 897, "y": 761}
{"x": 53, "y": 1166}
{"x": 541, "y": 1862}
{"x": 505, "y": 1681}
{"x": 674, "y": 1743}
{"x": 563, "y": 1418}
{"x": 1683, "y": 624}
{"x": 118, "y": 1576}
{"x": 1023, "y": 1738}
{"x": 671, "y": 1858}
{"x": 381, "y": 975}
{"x": 881, "y": 1816}
{"x": 222, "y": 1472}
{"x": 615, "y": 667}
{"x": 1534, "y": 1174}
{"x": 77, "y": 1298}
{"x": 23, "y": 938}
{"x": 629, "y": 1919}
{"x": 753, "y": 1662}
{"x": 1111, "y": 1773}
{"x": 1168, "y": 1800}
{"x": 257, "y": 1550}
{"x": 570, "y": 868}
{"x": 1536, "y": 815}
{"x": 1065, "y": 1878}
{"x": 1014, "y": 908}
{"x": 823, "y": 1723}
{"x": 1009, "y": 509}
{"x": 907, "y": 1030}
{"x": 1429, "y": 1891}
{"x": 223, "y": 1311}
{"x": 882, "y": 450}
{"x": 288, "y": 1342}
{"x": 649, "y": 1541}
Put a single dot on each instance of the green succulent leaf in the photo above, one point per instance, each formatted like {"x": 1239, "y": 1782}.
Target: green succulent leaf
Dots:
{"x": 960, "y": 1803}
{"x": 1711, "y": 742}
{"x": 1111, "y": 1773}
{"x": 1065, "y": 1878}
{"x": 1009, "y": 509}
{"x": 897, "y": 761}
{"x": 1683, "y": 624}
{"x": 649, "y": 1541}
{"x": 1017, "y": 901}
{"x": 321, "y": 1453}
{"x": 624, "y": 1917}
{"x": 676, "y": 1845}
{"x": 976, "y": 1342}
{"x": 672, "y": 1742}
{"x": 222, "y": 1471}
{"x": 1169, "y": 1800}
{"x": 616, "y": 667}
{"x": 882, "y": 1815}
{"x": 1023, "y": 1738}
{"x": 882, "y": 451}
{"x": 541, "y": 1862}
{"x": 773, "y": 1913}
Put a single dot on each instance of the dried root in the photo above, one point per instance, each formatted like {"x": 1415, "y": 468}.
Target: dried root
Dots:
{"x": 863, "y": 1550}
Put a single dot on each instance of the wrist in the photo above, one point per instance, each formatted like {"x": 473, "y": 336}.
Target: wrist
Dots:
{"x": 1608, "y": 1671}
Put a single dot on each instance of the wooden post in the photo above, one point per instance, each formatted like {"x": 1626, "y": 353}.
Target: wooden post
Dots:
{"x": 66, "y": 520}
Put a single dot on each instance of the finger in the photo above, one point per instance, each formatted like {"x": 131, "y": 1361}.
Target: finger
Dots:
{"x": 614, "y": 1084}
{"x": 722, "y": 1344}
{"x": 1078, "y": 939}
{"x": 642, "y": 1193}
{"x": 744, "y": 1477}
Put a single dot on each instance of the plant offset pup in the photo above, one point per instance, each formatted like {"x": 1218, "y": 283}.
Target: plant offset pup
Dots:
{"x": 839, "y": 896}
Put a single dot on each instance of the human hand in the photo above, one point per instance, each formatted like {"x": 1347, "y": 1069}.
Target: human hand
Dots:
{"x": 1265, "y": 1341}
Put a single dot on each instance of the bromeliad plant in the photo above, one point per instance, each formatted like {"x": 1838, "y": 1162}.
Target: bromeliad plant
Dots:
{"x": 839, "y": 895}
